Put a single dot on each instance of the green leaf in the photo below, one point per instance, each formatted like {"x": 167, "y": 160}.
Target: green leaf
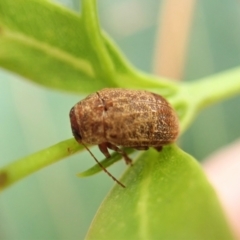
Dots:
{"x": 115, "y": 157}
{"x": 46, "y": 43}
{"x": 55, "y": 47}
{"x": 167, "y": 196}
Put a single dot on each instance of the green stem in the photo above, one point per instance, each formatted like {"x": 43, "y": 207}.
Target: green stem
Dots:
{"x": 193, "y": 97}
{"x": 93, "y": 30}
{"x": 213, "y": 89}
{"x": 28, "y": 165}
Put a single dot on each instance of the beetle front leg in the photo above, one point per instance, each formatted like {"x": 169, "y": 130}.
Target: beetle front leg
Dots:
{"x": 104, "y": 149}
{"x": 117, "y": 149}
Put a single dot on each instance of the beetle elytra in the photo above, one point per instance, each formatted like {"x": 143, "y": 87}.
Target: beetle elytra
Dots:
{"x": 114, "y": 117}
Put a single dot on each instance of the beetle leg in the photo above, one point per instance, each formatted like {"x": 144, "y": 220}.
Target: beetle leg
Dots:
{"x": 103, "y": 148}
{"x": 158, "y": 148}
{"x": 117, "y": 149}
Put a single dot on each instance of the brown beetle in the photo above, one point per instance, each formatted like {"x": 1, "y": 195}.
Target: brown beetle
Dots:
{"x": 115, "y": 117}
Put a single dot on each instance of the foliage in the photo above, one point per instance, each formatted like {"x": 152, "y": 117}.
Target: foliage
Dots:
{"x": 167, "y": 194}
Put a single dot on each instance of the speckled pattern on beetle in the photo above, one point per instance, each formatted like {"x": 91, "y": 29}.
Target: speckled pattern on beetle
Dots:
{"x": 115, "y": 117}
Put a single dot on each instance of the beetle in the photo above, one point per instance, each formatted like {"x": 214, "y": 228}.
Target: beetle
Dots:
{"x": 114, "y": 117}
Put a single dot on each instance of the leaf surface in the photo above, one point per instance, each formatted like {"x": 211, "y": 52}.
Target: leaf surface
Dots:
{"x": 47, "y": 43}
{"x": 59, "y": 49}
{"x": 167, "y": 196}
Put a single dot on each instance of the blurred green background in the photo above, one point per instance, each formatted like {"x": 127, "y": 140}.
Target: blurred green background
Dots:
{"x": 54, "y": 203}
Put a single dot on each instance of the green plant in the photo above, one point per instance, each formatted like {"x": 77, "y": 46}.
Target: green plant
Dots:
{"x": 85, "y": 60}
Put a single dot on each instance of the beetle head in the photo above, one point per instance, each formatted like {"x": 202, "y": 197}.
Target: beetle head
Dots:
{"x": 75, "y": 125}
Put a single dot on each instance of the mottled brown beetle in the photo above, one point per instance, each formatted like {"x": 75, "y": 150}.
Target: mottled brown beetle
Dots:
{"x": 115, "y": 117}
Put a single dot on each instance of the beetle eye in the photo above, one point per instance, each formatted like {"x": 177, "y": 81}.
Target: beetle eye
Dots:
{"x": 75, "y": 126}
{"x": 76, "y": 134}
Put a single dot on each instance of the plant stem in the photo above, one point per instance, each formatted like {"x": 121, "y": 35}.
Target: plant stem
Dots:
{"x": 30, "y": 164}
{"x": 212, "y": 89}
{"x": 93, "y": 30}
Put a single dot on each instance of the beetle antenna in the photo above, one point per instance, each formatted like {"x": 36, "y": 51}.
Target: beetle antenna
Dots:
{"x": 104, "y": 169}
